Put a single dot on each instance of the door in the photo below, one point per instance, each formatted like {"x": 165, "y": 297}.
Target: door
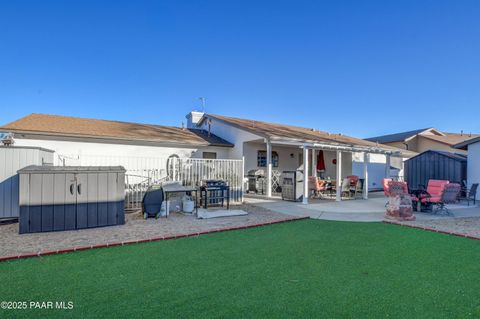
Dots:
{"x": 70, "y": 202}
{"x": 82, "y": 200}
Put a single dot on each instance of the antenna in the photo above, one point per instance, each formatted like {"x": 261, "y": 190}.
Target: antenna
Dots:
{"x": 203, "y": 99}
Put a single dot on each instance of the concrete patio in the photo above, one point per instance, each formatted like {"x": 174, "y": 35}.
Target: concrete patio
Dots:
{"x": 357, "y": 210}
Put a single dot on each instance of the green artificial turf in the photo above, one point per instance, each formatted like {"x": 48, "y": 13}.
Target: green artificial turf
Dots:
{"x": 300, "y": 269}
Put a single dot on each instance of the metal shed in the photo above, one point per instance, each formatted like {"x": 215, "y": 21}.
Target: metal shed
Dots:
{"x": 70, "y": 197}
{"x": 13, "y": 158}
{"x": 435, "y": 165}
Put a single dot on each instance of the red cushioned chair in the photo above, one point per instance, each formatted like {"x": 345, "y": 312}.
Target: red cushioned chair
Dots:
{"x": 316, "y": 186}
{"x": 385, "y": 182}
{"x": 449, "y": 195}
{"x": 354, "y": 185}
{"x": 434, "y": 191}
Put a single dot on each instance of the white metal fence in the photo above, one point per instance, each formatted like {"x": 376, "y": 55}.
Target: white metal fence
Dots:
{"x": 142, "y": 172}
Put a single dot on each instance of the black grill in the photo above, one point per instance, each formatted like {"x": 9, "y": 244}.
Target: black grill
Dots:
{"x": 214, "y": 192}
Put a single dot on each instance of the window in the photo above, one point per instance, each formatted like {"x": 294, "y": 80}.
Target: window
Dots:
{"x": 209, "y": 155}
{"x": 262, "y": 159}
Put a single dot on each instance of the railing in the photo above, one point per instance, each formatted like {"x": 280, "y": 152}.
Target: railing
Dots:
{"x": 142, "y": 172}
{"x": 187, "y": 171}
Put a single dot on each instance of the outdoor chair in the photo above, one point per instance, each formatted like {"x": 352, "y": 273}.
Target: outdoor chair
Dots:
{"x": 353, "y": 185}
{"x": 358, "y": 188}
{"x": 346, "y": 187}
{"x": 316, "y": 186}
{"x": 471, "y": 194}
{"x": 434, "y": 189}
{"x": 385, "y": 182}
{"x": 449, "y": 195}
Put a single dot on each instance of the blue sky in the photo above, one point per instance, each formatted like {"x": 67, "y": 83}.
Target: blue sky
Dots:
{"x": 361, "y": 68}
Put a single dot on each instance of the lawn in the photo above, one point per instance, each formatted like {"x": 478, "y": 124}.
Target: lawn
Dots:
{"x": 298, "y": 269}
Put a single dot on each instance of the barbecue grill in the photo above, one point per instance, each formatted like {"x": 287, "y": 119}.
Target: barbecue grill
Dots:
{"x": 214, "y": 192}
{"x": 152, "y": 202}
{"x": 256, "y": 181}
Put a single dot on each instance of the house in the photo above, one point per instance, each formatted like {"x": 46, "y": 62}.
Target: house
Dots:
{"x": 423, "y": 140}
{"x": 280, "y": 147}
{"x": 416, "y": 141}
{"x": 472, "y": 146}
{"x": 273, "y": 147}
{"x": 80, "y": 141}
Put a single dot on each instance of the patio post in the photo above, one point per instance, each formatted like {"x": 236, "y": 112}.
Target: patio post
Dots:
{"x": 269, "y": 169}
{"x": 339, "y": 176}
{"x": 314, "y": 162}
{"x": 387, "y": 166}
{"x": 366, "y": 159}
{"x": 305, "y": 175}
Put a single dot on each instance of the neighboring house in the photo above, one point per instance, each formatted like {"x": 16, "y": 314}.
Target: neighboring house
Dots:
{"x": 416, "y": 141}
{"x": 272, "y": 147}
{"x": 80, "y": 141}
{"x": 472, "y": 146}
{"x": 423, "y": 140}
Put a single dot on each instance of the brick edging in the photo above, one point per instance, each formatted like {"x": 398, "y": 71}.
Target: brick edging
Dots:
{"x": 432, "y": 230}
{"x": 152, "y": 239}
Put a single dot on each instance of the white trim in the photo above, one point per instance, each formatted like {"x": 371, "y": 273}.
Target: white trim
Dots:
{"x": 305, "y": 176}
{"x": 366, "y": 159}
{"x": 269, "y": 169}
{"x": 338, "y": 197}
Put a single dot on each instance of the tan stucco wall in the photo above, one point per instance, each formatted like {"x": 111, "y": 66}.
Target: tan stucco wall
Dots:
{"x": 425, "y": 144}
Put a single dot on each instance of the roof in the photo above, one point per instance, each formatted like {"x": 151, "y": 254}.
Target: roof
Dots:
{"x": 455, "y": 156}
{"x": 276, "y": 132}
{"x": 464, "y": 145}
{"x": 397, "y": 137}
{"x": 66, "y": 126}
{"x": 450, "y": 138}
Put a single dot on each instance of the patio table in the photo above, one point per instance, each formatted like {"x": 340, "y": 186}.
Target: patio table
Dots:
{"x": 330, "y": 185}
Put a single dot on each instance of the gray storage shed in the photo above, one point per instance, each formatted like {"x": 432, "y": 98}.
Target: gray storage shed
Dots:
{"x": 13, "y": 158}
{"x": 70, "y": 197}
{"x": 435, "y": 165}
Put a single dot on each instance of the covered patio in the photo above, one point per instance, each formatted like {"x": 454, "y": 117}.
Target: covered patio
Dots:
{"x": 336, "y": 157}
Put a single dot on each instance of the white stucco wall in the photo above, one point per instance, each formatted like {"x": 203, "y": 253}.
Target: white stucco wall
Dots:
{"x": 231, "y": 134}
{"x": 473, "y": 168}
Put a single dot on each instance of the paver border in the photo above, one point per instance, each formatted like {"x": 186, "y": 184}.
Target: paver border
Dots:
{"x": 432, "y": 230}
{"x": 152, "y": 239}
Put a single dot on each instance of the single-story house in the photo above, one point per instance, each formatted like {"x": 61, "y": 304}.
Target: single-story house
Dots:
{"x": 80, "y": 141}
{"x": 472, "y": 146}
{"x": 279, "y": 147}
{"x": 273, "y": 147}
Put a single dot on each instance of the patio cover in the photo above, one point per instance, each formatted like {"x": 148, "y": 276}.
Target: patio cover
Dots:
{"x": 308, "y": 137}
